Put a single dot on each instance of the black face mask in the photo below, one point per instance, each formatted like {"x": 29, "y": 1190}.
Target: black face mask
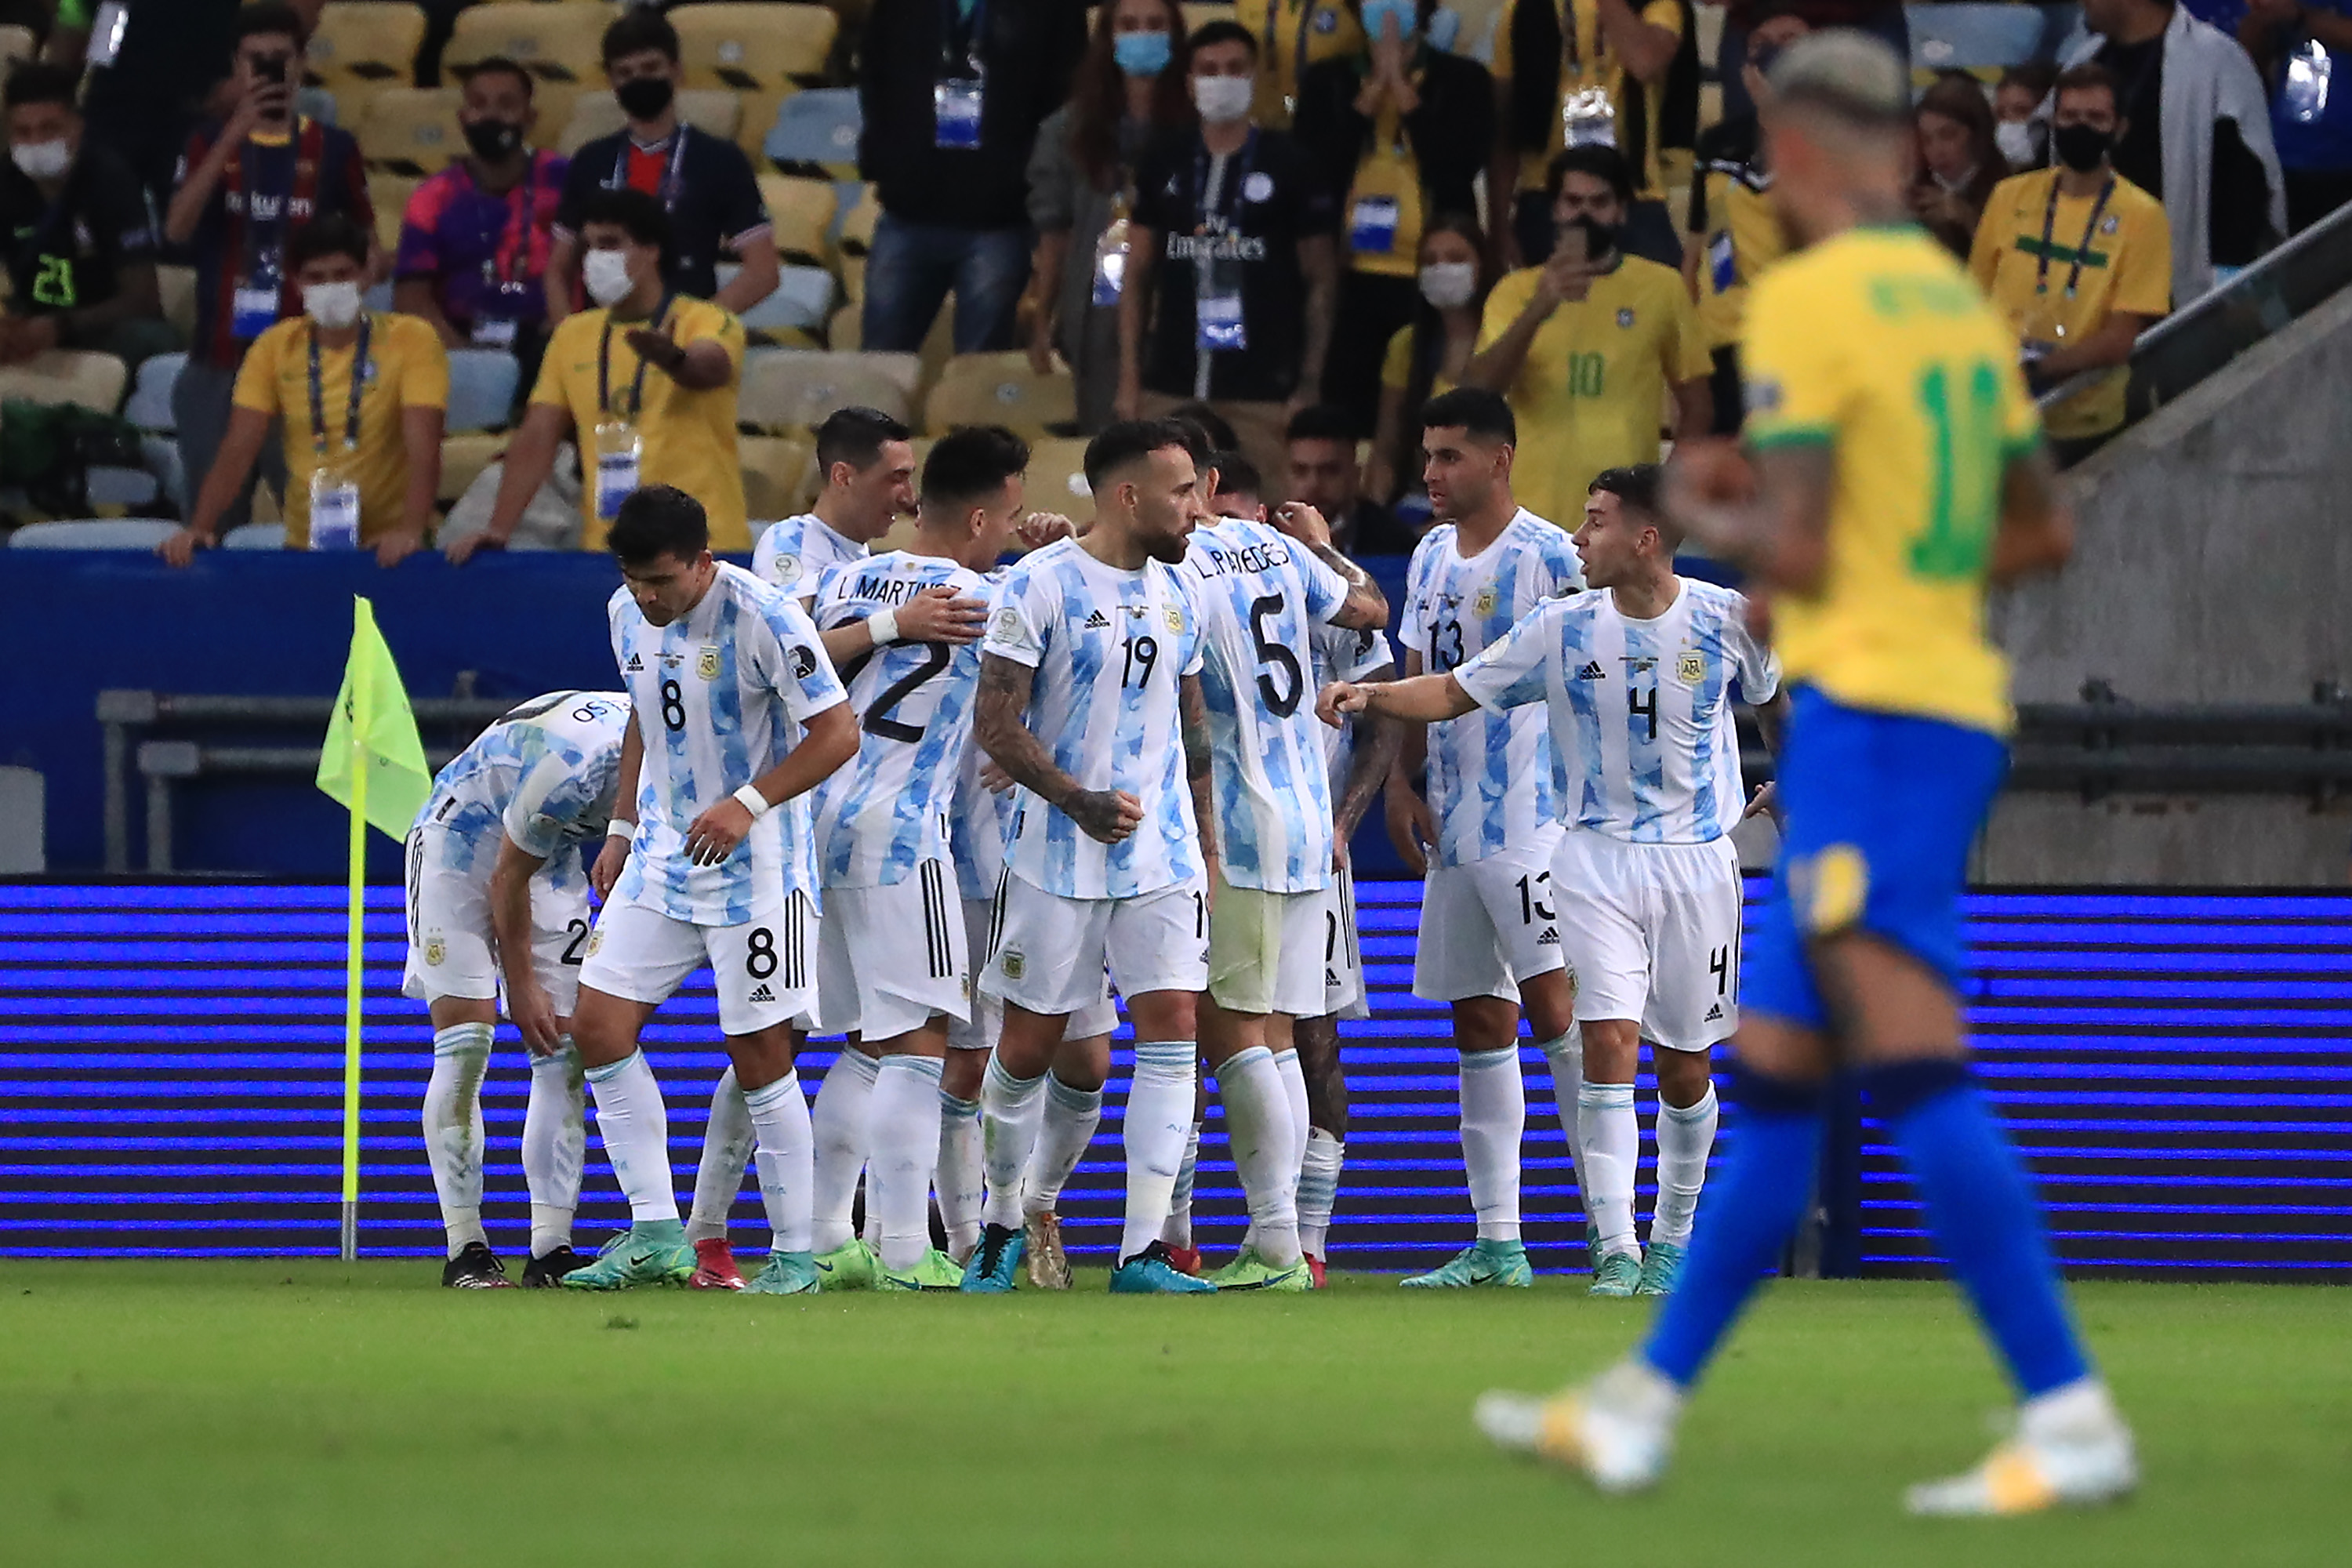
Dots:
{"x": 493, "y": 140}
{"x": 2081, "y": 148}
{"x": 645, "y": 97}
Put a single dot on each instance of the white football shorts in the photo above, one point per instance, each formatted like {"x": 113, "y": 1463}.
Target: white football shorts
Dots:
{"x": 761, "y": 968}
{"x": 980, "y": 1032}
{"x": 1265, "y": 949}
{"x": 1343, "y": 952}
{"x": 890, "y": 958}
{"x": 1489, "y": 924}
{"x": 1051, "y": 950}
{"x": 450, "y": 952}
{"x": 1652, "y": 933}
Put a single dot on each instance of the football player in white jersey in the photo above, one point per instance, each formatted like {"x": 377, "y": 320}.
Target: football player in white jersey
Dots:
{"x": 1092, "y": 654}
{"x": 494, "y": 867}
{"x": 866, "y": 461}
{"x": 738, "y": 714}
{"x": 1489, "y": 941}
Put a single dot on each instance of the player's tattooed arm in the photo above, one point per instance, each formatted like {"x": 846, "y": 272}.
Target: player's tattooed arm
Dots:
{"x": 1199, "y": 758}
{"x": 1379, "y": 740}
{"x": 1106, "y": 814}
{"x": 1365, "y": 606}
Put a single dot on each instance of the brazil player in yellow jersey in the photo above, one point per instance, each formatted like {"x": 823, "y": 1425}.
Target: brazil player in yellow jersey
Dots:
{"x": 1897, "y": 470}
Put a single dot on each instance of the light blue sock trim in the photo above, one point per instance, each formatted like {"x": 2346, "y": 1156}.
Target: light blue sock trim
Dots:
{"x": 921, "y": 1066}
{"x": 1019, "y": 1088}
{"x": 1241, "y": 1060}
{"x": 1605, "y": 1096}
{"x": 462, "y": 1039}
{"x": 611, "y": 1071}
{"x": 770, "y": 1094}
{"x": 951, "y": 1105}
{"x": 1474, "y": 1060}
{"x": 1173, "y": 1054}
{"x": 1069, "y": 1099}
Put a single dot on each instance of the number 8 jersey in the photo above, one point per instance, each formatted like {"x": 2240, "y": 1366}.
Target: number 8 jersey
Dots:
{"x": 1111, "y": 649}
{"x": 1493, "y": 778}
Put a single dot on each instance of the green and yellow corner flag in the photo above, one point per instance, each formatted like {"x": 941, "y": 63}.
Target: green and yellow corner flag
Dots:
{"x": 373, "y": 764}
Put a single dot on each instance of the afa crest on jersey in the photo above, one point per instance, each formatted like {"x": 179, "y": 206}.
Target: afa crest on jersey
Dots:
{"x": 1484, "y": 606}
{"x": 1173, "y": 616}
{"x": 1691, "y": 668}
{"x": 706, "y": 663}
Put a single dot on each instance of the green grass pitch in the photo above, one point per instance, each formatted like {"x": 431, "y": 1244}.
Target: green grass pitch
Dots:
{"x": 321, "y": 1414}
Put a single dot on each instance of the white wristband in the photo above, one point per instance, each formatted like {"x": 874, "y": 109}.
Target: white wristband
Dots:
{"x": 884, "y": 624}
{"x": 752, "y": 801}
{"x": 616, "y": 829}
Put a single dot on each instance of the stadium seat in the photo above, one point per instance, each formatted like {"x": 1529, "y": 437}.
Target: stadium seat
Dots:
{"x": 816, "y": 134}
{"x": 766, "y": 52}
{"x": 779, "y": 475}
{"x": 1954, "y": 35}
{"x": 365, "y": 43}
{"x": 787, "y": 390}
{"x": 1199, "y": 14}
{"x": 855, "y": 240}
{"x": 1000, "y": 389}
{"x": 561, "y": 42}
{"x": 481, "y": 388}
{"x": 797, "y": 311}
{"x": 801, "y": 211}
{"x": 847, "y": 330}
{"x": 411, "y": 131}
{"x": 93, "y": 534}
{"x": 256, "y": 535}
{"x": 178, "y": 287}
{"x": 463, "y": 458}
{"x": 1058, "y": 477}
{"x": 389, "y": 194}
{"x": 150, "y": 404}
{"x": 715, "y": 110}
{"x": 67, "y": 375}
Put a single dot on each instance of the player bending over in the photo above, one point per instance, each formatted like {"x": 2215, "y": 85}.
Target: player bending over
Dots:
{"x": 494, "y": 867}
{"x": 1901, "y": 470}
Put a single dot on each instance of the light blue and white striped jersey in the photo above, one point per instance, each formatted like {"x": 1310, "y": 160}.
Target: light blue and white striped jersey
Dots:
{"x": 1493, "y": 781}
{"x": 1344, "y": 655}
{"x": 1262, "y": 598}
{"x": 795, "y": 552}
{"x": 543, "y": 775}
{"x": 1111, "y": 649}
{"x": 885, "y": 813}
{"x": 720, "y": 694}
{"x": 1640, "y": 710}
{"x": 980, "y": 821}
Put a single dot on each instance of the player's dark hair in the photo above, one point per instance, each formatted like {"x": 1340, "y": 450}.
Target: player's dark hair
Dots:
{"x": 658, "y": 520}
{"x": 37, "y": 81}
{"x": 635, "y": 31}
{"x": 1128, "y": 441}
{"x": 1225, "y": 30}
{"x": 270, "y": 18}
{"x": 2088, "y": 77}
{"x": 1596, "y": 160}
{"x": 634, "y": 213}
{"x": 1635, "y": 486}
{"x": 969, "y": 466}
{"x": 1236, "y": 475}
{"x": 1482, "y": 413}
{"x": 1321, "y": 421}
{"x": 331, "y": 234}
{"x": 1209, "y": 422}
{"x": 499, "y": 65}
{"x": 856, "y": 435}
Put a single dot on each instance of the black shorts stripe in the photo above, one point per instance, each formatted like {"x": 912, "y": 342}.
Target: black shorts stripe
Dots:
{"x": 795, "y": 964}
{"x": 996, "y": 917}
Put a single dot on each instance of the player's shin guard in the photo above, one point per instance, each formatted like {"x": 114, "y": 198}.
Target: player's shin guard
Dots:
{"x": 1257, "y": 1120}
{"x": 633, "y": 1126}
{"x": 1176, "y": 1230}
{"x": 1319, "y": 1190}
{"x": 727, "y": 1143}
{"x": 1071, "y": 1118}
{"x": 1685, "y": 1138}
{"x": 1613, "y": 1143}
{"x": 1159, "y": 1119}
{"x": 1494, "y": 1122}
{"x": 1010, "y": 1110}
{"x": 1981, "y": 1211}
{"x": 962, "y": 1179}
{"x": 903, "y": 1147}
{"x": 842, "y": 1102}
{"x": 453, "y": 1129}
{"x": 1294, "y": 1094}
{"x": 554, "y": 1145}
{"x": 1758, "y": 1201}
{"x": 780, "y": 1117}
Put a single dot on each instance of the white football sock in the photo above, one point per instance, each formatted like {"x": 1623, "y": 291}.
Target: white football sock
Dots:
{"x": 1319, "y": 1189}
{"x": 1257, "y": 1124}
{"x": 1071, "y": 1116}
{"x": 1565, "y": 1055}
{"x": 1158, "y": 1121}
{"x": 1177, "y": 1229}
{"x": 554, "y": 1145}
{"x": 633, "y": 1124}
{"x": 840, "y": 1122}
{"x": 902, "y": 1142}
{"x": 1613, "y": 1143}
{"x": 1494, "y": 1120}
{"x": 962, "y": 1176}
{"x": 1010, "y": 1110}
{"x": 453, "y": 1129}
{"x": 727, "y": 1143}
{"x": 1294, "y": 1094}
{"x": 1685, "y": 1137}
{"x": 780, "y": 1115}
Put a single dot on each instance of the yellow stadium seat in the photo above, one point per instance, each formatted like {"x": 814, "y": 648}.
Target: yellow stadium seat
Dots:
{"x": 67, "y": 375}
{"x": 390, "y": 194}
{"x": 463, "y": 458}
{"x": 561, "y": 41}
{"x": 178, "y": 287}
{"x": 786, "y": 390}
{"x": 847, "y": 330}
{"x": 1057, "y": 479}
{"x": 856, "y": 237}
{"x": 412, "y": 132}
{"x": 364, "y": 42}
{"x": 778, "y": 475}
{"x": 594, "y": 114}
{"x": 1000, "y": 389}
{"x": 801, "y": 212}
{"x": 1199, "y": 14}
{"x": 755, "y": 48}
{"x": 939, "y": 344}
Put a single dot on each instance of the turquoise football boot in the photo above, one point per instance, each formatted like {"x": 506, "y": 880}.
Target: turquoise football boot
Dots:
{"x": 1482, "y": 1263}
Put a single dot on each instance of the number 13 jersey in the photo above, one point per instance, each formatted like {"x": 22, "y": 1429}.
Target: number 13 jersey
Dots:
{"x": 1493, "y": 778}
{"x": 1111, "y": 649}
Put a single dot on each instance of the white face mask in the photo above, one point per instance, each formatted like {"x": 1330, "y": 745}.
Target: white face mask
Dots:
{"x": 333, "y": 306}
{"x": 1222, "y": 100}
{"x": 2015, "y": 139}
{"x": 606, "y": 273}
{"x": 42, "y": 160}
{"x": 1448, "y": 285}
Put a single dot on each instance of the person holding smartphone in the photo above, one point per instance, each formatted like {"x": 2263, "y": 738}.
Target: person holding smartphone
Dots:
{"x": 245, "y": 184}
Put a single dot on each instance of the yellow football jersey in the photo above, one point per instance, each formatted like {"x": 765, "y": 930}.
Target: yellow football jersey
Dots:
{"x": 1877, "y": 346}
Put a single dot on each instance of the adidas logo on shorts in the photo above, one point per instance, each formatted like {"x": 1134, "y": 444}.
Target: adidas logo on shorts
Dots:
{"x": 1548, "y": 938}
{"x": 1715, "y": 1014}
{"x": 764, "y": 993}
{"x": 1591, "y": 671}
{"x": 1097, "y": 619}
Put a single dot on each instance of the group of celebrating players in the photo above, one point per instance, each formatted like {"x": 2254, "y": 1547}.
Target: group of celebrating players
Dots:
{"x": 945, "y": 808}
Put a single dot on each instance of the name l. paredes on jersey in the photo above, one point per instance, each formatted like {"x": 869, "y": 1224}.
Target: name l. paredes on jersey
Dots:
{"x": 1237, "y": 560}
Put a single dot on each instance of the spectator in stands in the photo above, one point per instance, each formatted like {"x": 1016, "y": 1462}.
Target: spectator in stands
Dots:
{"x": 953, "y": 96}
{"x": 1321, "y": 460}
{"x": 703, "y": 182}
{"x": 1131, "y": 89}
{"x": 1401, "y": 130}
{"x": 171, "y": 57}
{"x": 2295, "y": 46}
{"x": 1959, "y": 163}
{"x": 359, "y": 399}
{"x": 476, "y": 239}
{"x": 2197, "y": 134}
{"x": 1426, "y": 357}
{"x": 1232, "y": 268}
{"x": 78, "y": 240}
{"x": 1734, "y": 233}
{"x": 645, "y": 381}
{"x": 246, "y": 183}
{"x": 2079, "y": 259}
{"x": 1297, "y": 36}
{"x": 1582, "y": 73}
{"x": 1588, "y": 346}
{"x": 2019, "y": 129}
{"x": 1880, "y": 18}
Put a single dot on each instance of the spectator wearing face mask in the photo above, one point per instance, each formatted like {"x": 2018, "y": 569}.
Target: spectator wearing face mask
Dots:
{"x": 1958, "y": 162}
{"x": 2295, "y": 46}
{"x": 1403, "y": 129}
{"x": 1427, "y": 357}
{"x": 359, "y": 399}
{"x": 2019, "y": 129}
{"x": 1734, "y": 232}
{"x": 1129, "y": 90}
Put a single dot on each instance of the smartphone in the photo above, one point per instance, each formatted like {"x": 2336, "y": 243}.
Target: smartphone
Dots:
{"x": 271, "y": 68}
{"x": 1574, "y": 244}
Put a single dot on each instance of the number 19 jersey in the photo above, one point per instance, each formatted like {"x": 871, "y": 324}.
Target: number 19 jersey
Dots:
{"x": 1492, "y": 779}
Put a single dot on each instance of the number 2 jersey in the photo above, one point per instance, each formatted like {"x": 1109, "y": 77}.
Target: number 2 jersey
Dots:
{"x": 543, "y": 775}
{"x": 1111, "y": 649}
{"x": 885, "y": 813}
{"x": 1263, "y": 599}
{"x": 720, "y": 694}
{"x": 1493, "y": 780}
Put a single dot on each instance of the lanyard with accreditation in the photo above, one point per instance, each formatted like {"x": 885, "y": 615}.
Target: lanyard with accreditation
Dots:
{"x": 334, "y": 492}
{"x": 2044, "y": 330}
{"x": 620, "y": 445}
